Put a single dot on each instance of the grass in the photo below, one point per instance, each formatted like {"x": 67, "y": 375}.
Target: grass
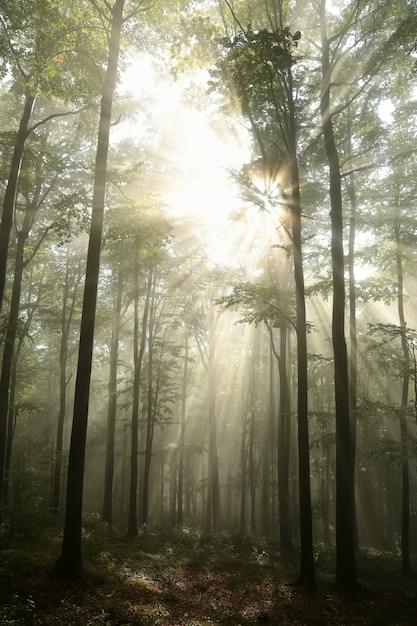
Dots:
{"x": 187, "y": 578}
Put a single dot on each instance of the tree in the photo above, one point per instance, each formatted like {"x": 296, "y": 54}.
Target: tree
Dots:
{"x": 181, "y": 454}
{"x": 162, "y": 356}
{"x": 71, "y": 283}
{"x": 112, "y": 401}
{"x": 69, "y": 563}
{"x": 405, "y": 470}
{"x": 139, "y": 351}
{"x": 213, "y": 486}
{"x": 346, "y": 575}
{"x": 260, "y": 63}
{"x": 44, "y": 48}
{"x": 38, "y": 193}
{"x": 342, "y": 85}
{"x": 23, "y": 328}
{"x": 398, "y": 229}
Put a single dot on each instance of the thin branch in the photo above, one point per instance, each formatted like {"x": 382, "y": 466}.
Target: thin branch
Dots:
{"x": 54, "y": 115}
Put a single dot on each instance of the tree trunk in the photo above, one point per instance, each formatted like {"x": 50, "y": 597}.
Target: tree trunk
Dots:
{"x": 182, "y": 436}
{"x": 346, "y": 575}
{"x": 252, "y": 464}
{"x": 150, "y": 414}
{"x": 307, "y": 573}
{"x": 353, "y": 379}
{"x": 11, "y": 189}
{"x": 112, "y": 405}
{"x": 31, "y": 307}
{"x": 139, "y": 351}
{"x": 9, "y": 343}
{"x": 213, "y": 487}
{"x": 283, "y": 446}
{"x": 69, "y": 563}
{"x": 173, "y": 487}
{"x": 405, "y": 469}
{"x": 243, "y": 470}
{"x": 268, "y": 431}
{"x": 66, "y": 319}
{"x": 63, "y": 351}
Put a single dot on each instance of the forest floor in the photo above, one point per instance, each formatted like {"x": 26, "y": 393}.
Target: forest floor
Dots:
{"x": 187, "y": 578}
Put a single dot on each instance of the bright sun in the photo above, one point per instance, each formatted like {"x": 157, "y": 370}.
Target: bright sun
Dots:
{"x": 196, "y": 155}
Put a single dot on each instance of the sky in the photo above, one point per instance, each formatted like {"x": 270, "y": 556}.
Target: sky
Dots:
{"x": 197, "y": 153}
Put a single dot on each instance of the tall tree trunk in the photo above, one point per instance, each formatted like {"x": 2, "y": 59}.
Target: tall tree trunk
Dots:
{"x": 251, "y": 433}
{"x": 31, "y": 307}
{"x": 346, "y": 575}
{"x": 11, "y": 425}
{"x": 66, "y": 319}
{"x": 112, "y": 404}
{"x": 252, "y": 465}
{"x": 243, "y": 469}
{"x": 173, "y": 487}
{"x": 353, "y": 378}
{"x": 267, "y": 439}
{"x": 9, "y": 344}
{"x": 161, "y": 512}
{"x": 307, "y": 576}
{"x": 213, "y": 487}
{"x": 267, "y": 512}
{"x": 69, "y": 563}
{"x": 63, "y": 353}
{"x": 182, "y": 436}
{"x": 405, "y": 468}
{"x": 150, "y": 414}
{"x": 283, "y": 447}
{"x": 139, "y": 351}
{"x": 11, "y": 189}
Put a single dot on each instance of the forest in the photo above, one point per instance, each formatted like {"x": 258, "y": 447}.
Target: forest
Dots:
{"x": 208, "y": 327}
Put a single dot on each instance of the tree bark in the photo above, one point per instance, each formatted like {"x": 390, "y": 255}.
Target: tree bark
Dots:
{"x": 243, "y": 469}
{"x": 267, "y": 439}
{"x": 346, "y": 575}
{"x": 150, "y": 414}
{"x": 112, "y": 405}
{"x": 213, "y": 487}
{"x": 353, "y": 379}
{"x": 283, "y": 447}
{"x": 11, "y": 189}
{"x": 307, "y": 577}
{"x": 66, "y": 318}
{"x": 13, "y": 410}
{"x": 139, "y": 351}
{"x": 11, "y": 332}
{"x": 252, "y": 463}
{"x": 182, "y": 436}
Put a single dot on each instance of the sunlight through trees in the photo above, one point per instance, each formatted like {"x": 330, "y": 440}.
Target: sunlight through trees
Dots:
{"x": 234, "y": 185}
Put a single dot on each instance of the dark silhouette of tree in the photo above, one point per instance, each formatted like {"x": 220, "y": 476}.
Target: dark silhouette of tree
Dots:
{"x": 181, "y": 449}
{"x": 69, "y": 298}
{"x": 139, "y": 346}
{"x": 213, "y": 486}
{"x": 69, "y": 563}
{"x": 112, "y": 401}
{"x": 346, "y": 575}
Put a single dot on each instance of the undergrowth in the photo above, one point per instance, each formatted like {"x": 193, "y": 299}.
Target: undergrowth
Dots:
{"x": 185, "y": 577}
